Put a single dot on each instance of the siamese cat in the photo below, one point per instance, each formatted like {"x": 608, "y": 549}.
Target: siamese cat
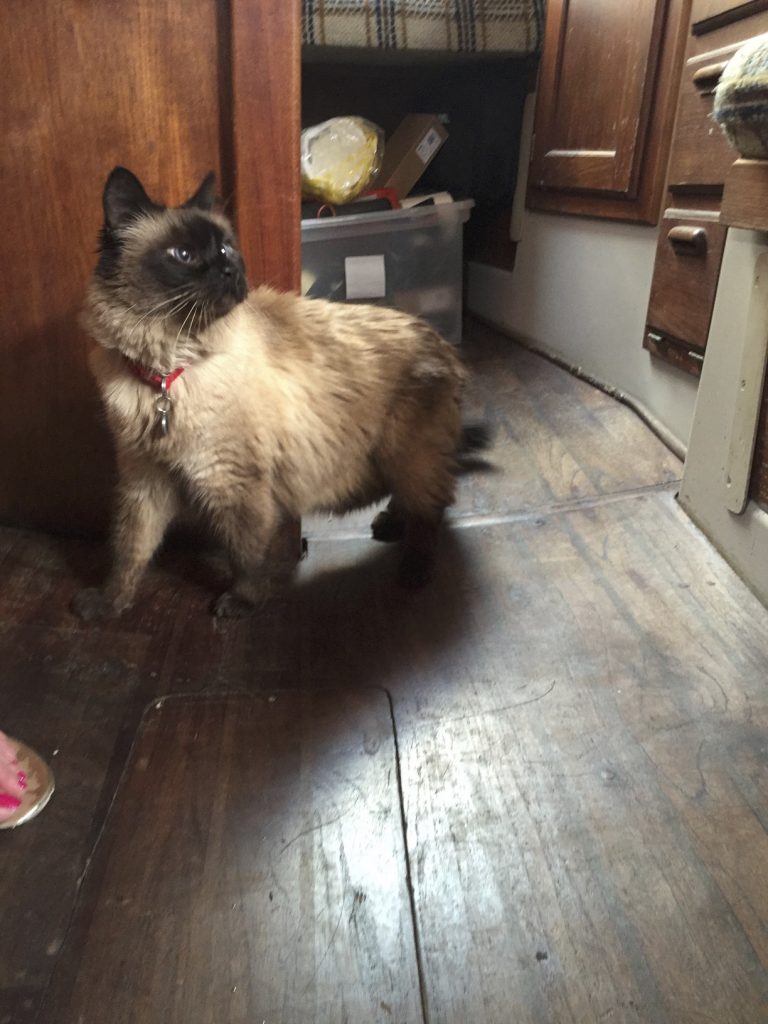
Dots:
{"x": 252, "y": 405}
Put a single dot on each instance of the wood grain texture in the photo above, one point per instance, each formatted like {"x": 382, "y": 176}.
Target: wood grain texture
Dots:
{"x": 576, "y": 771}
{"x": 601, "y": 152}
{"x": 84, "y": 86}
{"x": 172, "y": 91}
{"x": 745, "y": 195}
{"x": 603, "y": 127}
{"x": 253, "y": 869}
{"x": 266, "y": 111}
{"x": 266, "y": 117}
{"x": 581, "y": 712}
{"x": 701, "y": 154}
{"x": 685, "y": 279}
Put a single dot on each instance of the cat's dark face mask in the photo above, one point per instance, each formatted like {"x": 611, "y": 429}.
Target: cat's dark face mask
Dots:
{"x": 181, "y": 263}
{"x": 198, "y": 258}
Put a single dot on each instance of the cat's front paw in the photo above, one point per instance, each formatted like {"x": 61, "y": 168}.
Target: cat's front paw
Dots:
{"x": 92, "y": 605}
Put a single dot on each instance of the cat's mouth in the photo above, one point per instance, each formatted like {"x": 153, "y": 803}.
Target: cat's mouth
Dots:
{"x": 231, "y": 292}
{"x": 203, "y": 311}
{"x": 225, "y": 304}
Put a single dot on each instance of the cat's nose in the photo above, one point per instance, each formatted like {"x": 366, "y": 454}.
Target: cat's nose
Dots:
{"x": 226, "y": 269}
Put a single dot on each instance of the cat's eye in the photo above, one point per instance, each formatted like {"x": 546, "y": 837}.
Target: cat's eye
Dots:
{"x": 182, "y": 254}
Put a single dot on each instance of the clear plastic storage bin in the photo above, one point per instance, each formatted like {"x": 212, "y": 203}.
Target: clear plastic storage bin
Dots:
{"x": 409, "y": 259}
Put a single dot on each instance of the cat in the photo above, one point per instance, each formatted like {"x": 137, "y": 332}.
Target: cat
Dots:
{"x": 255, "y": 405}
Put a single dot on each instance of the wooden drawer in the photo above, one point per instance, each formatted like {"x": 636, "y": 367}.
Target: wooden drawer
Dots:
{"x": 686, "y": 270}
{"x": 701, "y": 154}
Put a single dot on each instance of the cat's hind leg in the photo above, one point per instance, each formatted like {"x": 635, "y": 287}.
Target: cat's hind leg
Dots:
{"x": 247, "y": 525}
{"x": 388, "y": 525}
{"x": 424, "y": 486}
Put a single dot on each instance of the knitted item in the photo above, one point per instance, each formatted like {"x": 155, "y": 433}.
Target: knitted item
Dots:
{"x": 741, "y": 99}
{"x": 471, "y": 26}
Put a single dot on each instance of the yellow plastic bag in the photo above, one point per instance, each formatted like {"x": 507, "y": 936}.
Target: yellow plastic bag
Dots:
{"x": 340, "y": 158}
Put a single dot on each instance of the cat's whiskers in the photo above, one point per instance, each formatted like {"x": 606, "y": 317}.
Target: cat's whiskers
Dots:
{"x": 203, "y": 315}
{"x": 180, "y": 293}
{"x": 179, "y": 298}
{"x": 193, "y": 327}
{"x": 183, "y": 324}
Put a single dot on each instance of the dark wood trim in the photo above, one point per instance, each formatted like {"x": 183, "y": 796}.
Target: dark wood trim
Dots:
{"x": 735, "y": 13}
{"x": 266, "y": 120}
{"x": 266, "y": 125}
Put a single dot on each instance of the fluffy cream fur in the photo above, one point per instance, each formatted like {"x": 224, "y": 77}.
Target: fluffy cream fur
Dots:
{"x": 286, "y": 406}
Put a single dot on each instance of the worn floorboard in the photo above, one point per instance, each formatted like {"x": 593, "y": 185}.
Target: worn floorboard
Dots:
{"x": 251, "y": 869}
{"x": 581, "y": 710}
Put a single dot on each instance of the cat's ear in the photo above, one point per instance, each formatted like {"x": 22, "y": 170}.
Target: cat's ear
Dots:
{"x": 124, "y": 197}
{"x": 205, "y": 197}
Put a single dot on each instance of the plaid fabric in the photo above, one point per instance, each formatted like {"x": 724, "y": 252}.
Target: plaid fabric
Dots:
{"x": 457, "y": 26}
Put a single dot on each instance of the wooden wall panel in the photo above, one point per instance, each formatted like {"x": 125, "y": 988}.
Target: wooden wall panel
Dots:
{"x": 86, "y": 84}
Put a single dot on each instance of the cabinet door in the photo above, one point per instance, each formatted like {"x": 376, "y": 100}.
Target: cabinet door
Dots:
{"x": 155, "y": 85}
{"x": 605, "y": 105}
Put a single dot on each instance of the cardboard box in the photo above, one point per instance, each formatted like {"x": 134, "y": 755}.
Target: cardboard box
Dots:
{"x": 409, "y": 151}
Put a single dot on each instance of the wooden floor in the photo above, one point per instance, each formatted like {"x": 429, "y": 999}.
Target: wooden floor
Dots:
{"x": 534, "y": 793}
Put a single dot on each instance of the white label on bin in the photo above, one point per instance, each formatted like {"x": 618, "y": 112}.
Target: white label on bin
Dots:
{"x": 428, "y": 146}
{"x": 366, "y": 277}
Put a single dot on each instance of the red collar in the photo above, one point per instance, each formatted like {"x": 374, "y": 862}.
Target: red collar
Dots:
{"x": 160, "y": 380}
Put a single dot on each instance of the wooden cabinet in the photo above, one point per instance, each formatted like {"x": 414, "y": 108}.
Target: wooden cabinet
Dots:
{"x": 171, "y": 89}
{"x": 606, "y": 99}
{"x": 685, "y": 276}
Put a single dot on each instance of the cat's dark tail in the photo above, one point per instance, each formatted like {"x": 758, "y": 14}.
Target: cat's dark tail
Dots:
{"x": 475, "y": 437}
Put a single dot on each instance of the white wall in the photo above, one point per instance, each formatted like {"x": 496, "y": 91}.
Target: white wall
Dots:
{"x": 580, "y": 290}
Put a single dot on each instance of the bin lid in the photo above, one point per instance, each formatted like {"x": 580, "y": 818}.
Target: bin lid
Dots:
{"x": 386, "y": 220}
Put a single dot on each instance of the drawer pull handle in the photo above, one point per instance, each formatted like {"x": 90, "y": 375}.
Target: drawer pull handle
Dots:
{"x": 706, "y": 78}
{"x": 692, "y": 241}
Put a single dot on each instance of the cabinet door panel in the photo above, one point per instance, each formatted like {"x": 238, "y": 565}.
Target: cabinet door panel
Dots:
{"x": 592, "y": 136}
{"x": 606, "y": 98}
